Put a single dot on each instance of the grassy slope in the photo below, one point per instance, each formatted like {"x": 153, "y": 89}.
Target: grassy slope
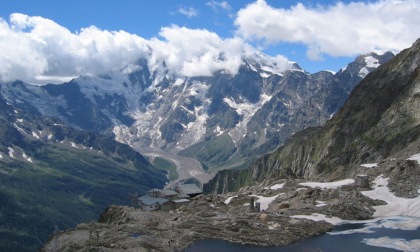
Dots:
{"x": 168, "y": 166}
{"x": 64, "y": 187}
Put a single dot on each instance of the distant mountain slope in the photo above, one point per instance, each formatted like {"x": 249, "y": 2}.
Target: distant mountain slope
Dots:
{"x": 248, "y": 114}
{"x": 380, "y": 119}
{"x": 53, "y": 177}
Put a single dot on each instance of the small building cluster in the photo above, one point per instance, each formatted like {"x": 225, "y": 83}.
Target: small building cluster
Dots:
{"x": 162, "y": 199}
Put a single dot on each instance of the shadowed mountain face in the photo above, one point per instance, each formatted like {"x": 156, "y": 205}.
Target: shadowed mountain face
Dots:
{"x": 224, "y": 121}
{"x": 380, "y": 119}
{"x": 53, "y": 177}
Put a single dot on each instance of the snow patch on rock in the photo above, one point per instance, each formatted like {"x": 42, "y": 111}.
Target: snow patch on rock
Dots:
{"x": 396, "y": 206}
{"x": 320, "y": 217}
{"x": 26, "y": 157}
{"x": 266, "y": 201}
{"x": 371, "y": 165}
{"x": 227, "y": 201}
{"x": 329, "y": 185}
{"x": 11, "y": 152}
{"x": 415, "y": 157}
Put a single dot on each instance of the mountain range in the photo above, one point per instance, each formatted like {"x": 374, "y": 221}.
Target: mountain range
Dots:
{"x": 223, "y": 121}
{"x": 69, "y": 150}
{"x": 380, "y": 120}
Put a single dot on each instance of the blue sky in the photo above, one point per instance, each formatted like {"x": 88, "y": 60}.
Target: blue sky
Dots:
{"x": 314, "y": 51}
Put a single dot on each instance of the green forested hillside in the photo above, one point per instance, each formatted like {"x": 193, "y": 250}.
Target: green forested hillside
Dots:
{"x": 53, "y": 177}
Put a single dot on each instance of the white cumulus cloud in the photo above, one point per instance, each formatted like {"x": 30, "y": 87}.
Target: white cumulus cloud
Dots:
{"x": 38, "y": 50}
{"x": 197, "y": 52}
{"x": 342, "y": 29}
{"x": 35, "y": 49}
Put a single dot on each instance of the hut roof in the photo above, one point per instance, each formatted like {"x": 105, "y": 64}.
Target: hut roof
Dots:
{"x": 148, "y": 200}
{"x": 189, "y": 189}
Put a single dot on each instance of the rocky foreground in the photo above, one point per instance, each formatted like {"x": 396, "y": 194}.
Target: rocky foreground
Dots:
{"x": 230, "y": 217}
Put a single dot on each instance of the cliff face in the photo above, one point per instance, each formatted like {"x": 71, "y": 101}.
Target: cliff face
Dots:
{"x": 380, "y": 119}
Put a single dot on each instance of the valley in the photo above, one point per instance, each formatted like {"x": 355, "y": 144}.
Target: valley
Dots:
{"x": 187, "y": 168}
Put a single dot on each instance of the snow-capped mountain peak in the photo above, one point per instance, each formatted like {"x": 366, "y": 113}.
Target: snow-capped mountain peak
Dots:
{"x": 240, "y": 113}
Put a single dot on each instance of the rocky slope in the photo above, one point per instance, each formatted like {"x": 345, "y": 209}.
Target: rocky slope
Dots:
{"x": 380, "y": 119}
{"x": 222, "y": 121}
{"x": 53, "y": 177}
{"x": 287, "y": 204}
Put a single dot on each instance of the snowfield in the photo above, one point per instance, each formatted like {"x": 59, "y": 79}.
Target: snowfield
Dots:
{"x": 396, "y": 206}
{"x": 399, "y": 213}
{"x": 328, "y": 185}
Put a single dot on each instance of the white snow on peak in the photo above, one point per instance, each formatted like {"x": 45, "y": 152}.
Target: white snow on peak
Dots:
{"x": 196, "y": 129}
{"x": 178, "y": 82}
{"x": 252, "y": 68}
{"x": 50, "y": 136}
{"x": 275, "y": 65}
{"x": 371, "y": 62}
{"x": 328, "y": 185}
{"x": 264, "y": 75}
{"x": 363, "y": 72}
{"x": 11, "y": 152}
{"x": 20, "y": 120}
{"x": 1, "y": 156}
{"x": 149, "y": 120}
{"x": 415, "y": 157}
{"x": 247, "y": 110}
{"x": 330, "y": 71}
{"x": 271, "y": 70}
{"x": 371, "y": 165}
{"x": 113, "y": 84}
